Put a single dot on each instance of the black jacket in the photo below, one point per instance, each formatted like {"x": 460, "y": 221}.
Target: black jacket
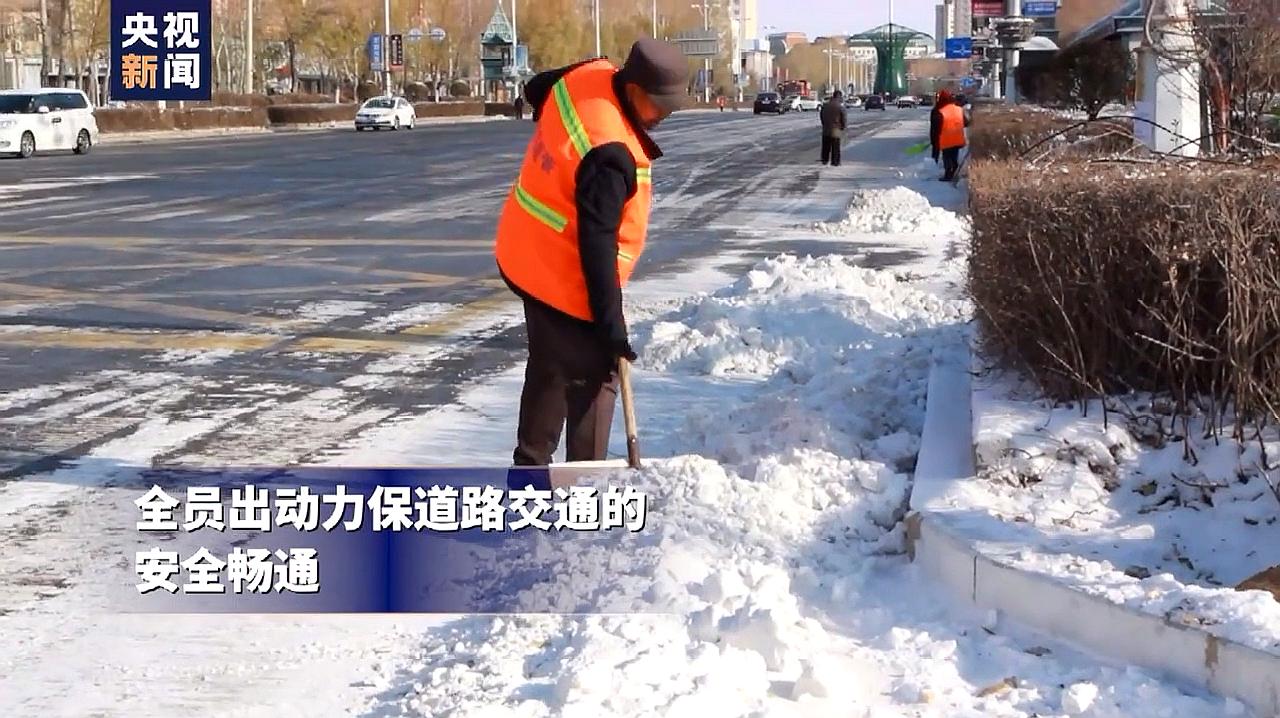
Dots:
{"x": 834, "y": 119}
{"x": 606, "y": 181}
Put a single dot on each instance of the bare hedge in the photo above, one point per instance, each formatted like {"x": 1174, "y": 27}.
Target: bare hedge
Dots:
{"x": 1000, "y": 132}
{"x": 346, "y": 113}
{"x": 311, "y": 114}
{"x": 144, "y": 119}
{"x": 150, "y": 118}
{"x": 1103, "y": 278}
{"x": 239, "y": 99}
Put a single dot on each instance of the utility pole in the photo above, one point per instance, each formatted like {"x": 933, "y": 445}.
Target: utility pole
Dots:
{"x": 44, "y": 42}
{"x": 248, "y": 49}
{"x": 706, "y": 63}
{"x": 1013, "y": 9}
{"x": 515, "y": 53}
{"x": 386, "y": 47}
{"x": 597, "y": 14}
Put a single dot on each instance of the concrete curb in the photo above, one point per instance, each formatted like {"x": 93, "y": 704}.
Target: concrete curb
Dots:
{"x": 1109, "y": 630}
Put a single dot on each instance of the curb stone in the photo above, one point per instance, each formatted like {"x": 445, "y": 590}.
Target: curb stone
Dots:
{"x": 1110, "y": 630}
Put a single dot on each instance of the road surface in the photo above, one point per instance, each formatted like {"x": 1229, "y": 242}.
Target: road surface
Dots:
{"x": 317, "y": 282}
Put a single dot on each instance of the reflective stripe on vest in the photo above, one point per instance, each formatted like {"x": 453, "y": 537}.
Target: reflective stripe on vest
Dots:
{"x": 569, "y": 117}
{"x": 540, "y": 211}
{"x": 537, "y": 243}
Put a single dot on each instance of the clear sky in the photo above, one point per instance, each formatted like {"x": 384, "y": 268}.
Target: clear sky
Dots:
{"x": 843, "y": 17}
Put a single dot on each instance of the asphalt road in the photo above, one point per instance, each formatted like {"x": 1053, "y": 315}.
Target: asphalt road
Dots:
{"x": 288, "y": 263}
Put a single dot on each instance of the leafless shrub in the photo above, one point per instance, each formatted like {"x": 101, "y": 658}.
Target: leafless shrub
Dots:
{"x": 1001, "y": 132}
{"x": 1107, "y": 278}
{"x": 149, "y": 119}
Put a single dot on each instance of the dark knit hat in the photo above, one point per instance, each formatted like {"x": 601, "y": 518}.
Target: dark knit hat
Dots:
{"x": 660, "y": 69}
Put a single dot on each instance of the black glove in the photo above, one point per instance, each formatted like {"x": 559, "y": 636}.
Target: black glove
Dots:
{"x": 621, "y": 349}
{"x": 935, "y": 155}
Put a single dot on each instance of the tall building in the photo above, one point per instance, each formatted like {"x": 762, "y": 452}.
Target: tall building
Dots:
{"x": 746, "y": 12}
{"x": 962, "y": 23}
{"x": 780, "y": 43}
{"x": 945, "y": 20}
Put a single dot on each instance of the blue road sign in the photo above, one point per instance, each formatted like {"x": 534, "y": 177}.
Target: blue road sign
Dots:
{"x": 161, "y": 51}
{"x": 959, "y": 48}
{"x": 375, "y": 51}
{"x": 1039, "y": 8}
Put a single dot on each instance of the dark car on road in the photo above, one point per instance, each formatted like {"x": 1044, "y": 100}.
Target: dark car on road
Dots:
{"x": 874, "y": 102}
{"x": 769, "y": 102}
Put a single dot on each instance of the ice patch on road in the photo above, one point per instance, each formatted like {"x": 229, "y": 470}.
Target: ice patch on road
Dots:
{"x": 328, "y": 311}
{"x": 192, "y": 357}
{"x": 897, "y": 210}
{"x": 410, "y": 316}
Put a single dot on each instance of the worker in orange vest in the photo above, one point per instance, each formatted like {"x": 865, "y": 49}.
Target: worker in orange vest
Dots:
{"x": 571, "y": 233}
{"x": 946, "y": 132}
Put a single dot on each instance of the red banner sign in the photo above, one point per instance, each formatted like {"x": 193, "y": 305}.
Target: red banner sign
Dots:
{"x": 988, "y": 8}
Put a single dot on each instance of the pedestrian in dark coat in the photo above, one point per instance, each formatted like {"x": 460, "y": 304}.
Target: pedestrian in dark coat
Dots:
{"x": 834, "y": 123}
{"x": 519, "y": 107}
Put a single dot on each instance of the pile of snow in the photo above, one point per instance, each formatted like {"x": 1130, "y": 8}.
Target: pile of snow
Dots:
{"x": 805, "y": 314}
{"x": 1110, "y": 503}
{"x": 897, "y": 210}
{"x": 771, "y": 583}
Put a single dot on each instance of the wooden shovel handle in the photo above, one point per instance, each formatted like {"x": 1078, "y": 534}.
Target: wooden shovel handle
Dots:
{"x": 629, "y": 414}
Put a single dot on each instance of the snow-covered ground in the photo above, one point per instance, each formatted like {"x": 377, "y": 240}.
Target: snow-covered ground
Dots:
{"x": 1116, "y": 504}
{"x": 781, "y": 412}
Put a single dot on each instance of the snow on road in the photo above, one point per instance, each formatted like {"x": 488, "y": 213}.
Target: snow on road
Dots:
{"x": 781, "y": 413}
{"x": 773, "y": 582}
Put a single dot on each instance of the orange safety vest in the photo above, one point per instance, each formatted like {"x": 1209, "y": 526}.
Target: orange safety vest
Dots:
{"x": 952, "y": 134}
{"x": 537, "y": 241}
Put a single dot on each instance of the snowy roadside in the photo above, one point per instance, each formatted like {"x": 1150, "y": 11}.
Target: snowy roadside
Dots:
{"x": 1112, "y": 504}
{"x": 790, "y": 403}
{"x": 782, "y": 409}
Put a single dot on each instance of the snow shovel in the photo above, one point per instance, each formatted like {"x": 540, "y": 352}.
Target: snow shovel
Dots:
{"x": 629, "y": 414}
{"x": 964, "y": 160}
{"x": 567, "y": 473}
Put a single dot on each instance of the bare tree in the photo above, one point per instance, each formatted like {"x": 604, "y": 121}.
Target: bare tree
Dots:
{"x": 1089, "y": 77}
{"x": 1237, "y": 45}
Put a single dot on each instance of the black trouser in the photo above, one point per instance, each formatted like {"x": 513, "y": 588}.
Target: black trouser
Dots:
{"x": 951, "y": 162}
{"x": 569, "y": 376}
{"x": 831, "y": 150}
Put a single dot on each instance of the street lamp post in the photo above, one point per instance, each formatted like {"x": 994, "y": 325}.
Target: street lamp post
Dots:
{"x": 706, "y": 63}
{"x": 1011, "y": 67}
{"x": 770, "y": 82}
{"x": 248, "y": 49}
{"x": 597, "y": 14}
{"x": 515, "y": 51}
{"x": 386, "y": 47}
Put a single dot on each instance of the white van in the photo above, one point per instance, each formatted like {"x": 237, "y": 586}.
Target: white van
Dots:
{"x": 46, "y": 119}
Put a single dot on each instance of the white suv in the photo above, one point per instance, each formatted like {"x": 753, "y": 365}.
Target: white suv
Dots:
{"x": 46, "y": 119}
